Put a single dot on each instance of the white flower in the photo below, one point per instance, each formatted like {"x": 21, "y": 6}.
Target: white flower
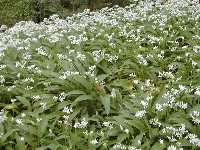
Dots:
{"x": 133, "y": 148}
{"x": 43, "y": 105}
{"x": 67, "y": 110}
{"x": 119, "y": 146}
{"x": 28, "y": 80}
{"x": 195, "y": 115}
{"x": 197, "y": 92}
{"x": 1, "y": 134}
{"x": 62, "y": 96}
{"x": 155, "y": 122}
{"x": 132, "y": 95}
{"x": 126, "y": 131}
{"x": 193, "y": 139}
{"x": 161, "y": 141}
{"x": 19, "y": 121}
{"x": 121, "y": 128}
{"x": 36, "y": 97}
{"x": 171, "y": 147}
{"x": 182, "y": 104}
{"x": 13, "y": 100}
{"x": 21, "y": 138}
{"x": 140, "y": 114}
{"x": 136, "y": 81}
{"x": 83, "y": 124}
{"x": 2, "y": 67}
{"x": 94, "y": 142}
{"x": 2, "y": 80}
{"x": 2, "y": 116}
{"x": 39, "y": 119}
{"x": 133, "y": 75}
{"x": 139, "y": 142}
{"x": 159, "y": 107}
{"x": 80, "y": 56}
{"x": 23, "y": 115}
{"x": 145, "y": 104}
{"x": 108, "y": 124}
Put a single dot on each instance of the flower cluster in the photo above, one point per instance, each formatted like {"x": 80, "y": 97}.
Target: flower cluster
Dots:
{"x": 2, "y": 116}
{"x": 124, "y": 74}
{"x": 82, "y": 124}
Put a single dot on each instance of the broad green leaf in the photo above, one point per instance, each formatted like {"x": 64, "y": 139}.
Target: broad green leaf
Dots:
{"x": 122, "y": 137}
{"x": 83, "y": 97}
{"x": 157, "y": 146}
{"x": 62, "y": 105}
{"x": 55, "y": 114}
{"x": 106, "y": 102}
{"x": 40, "y": 148}
{"x": 42, "y": 126}
{"x": 121, "y": 121}
{"x": 76, "y": 112}
{"x": 5, "y": 136}
{"x": 138, "y": 138}
{"x": 53, "y": 88}
{"x": 76, "y": 92}
{"x": 130, "y": 63}
{"x": 53, "y": 146}
{"x": 30, "y": 129}
{"x": 137, "y": 124}
{"x": 9, "y": 147}
{"x": 184, "y": 142}
{"x": 81, "y": 80}
{"x": 101, "y": 77}
{"x": 24, "y": 101}
{"x": 113, "y": 132}
{"x": 61, "y": 137}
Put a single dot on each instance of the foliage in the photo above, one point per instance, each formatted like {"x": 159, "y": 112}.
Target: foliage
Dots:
{"x": 117, "y": 78}
{"x": 12, "y": 11}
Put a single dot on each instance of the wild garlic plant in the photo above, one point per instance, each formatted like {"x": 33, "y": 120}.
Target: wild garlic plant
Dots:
{"x": 117, "y": 78}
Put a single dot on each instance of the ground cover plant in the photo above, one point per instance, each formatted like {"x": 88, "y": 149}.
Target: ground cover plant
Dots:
{"x": 117, "y": 78}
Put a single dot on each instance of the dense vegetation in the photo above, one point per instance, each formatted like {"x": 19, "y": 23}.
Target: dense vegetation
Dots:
{"x": 12, "y": 11}
{"x": 117, "y": 78}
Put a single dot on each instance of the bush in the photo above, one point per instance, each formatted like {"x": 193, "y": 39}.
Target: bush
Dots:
{"x": 117, "y": 78}
{"x": 12, "y": 11}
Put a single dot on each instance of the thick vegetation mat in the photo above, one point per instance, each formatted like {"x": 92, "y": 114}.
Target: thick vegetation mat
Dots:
{"x": 118, "y": 78}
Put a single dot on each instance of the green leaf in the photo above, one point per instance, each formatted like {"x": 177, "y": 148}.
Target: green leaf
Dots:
{"x": 83, "y": 97}
{"x": 62, "y": 105}
{"x": 122, "y": 137}
{"x": 102, "y": 77}
{"x": 137, "y": 124}
{"x": 53, "y": 146}
{"x": 138, "y": 138}
{"x": 76, "y": 92}
{"x": 180, "y": 121}
{"x": 106, "y": 102}
{"x": 55, "y": 114}
{"x": 52, "y": 88}
{"x": 40, "y": 148}
{"x": 30, "y": 129}
{"x": 76, "y": 112}
{"x": 43, "y": 126}
{"x": 81, "y": 80}
{"x": 24, "y": 101}
{"x": 5, "y": 136}
{"x": 157, "y": 146}
{"x": 185, "y": 142}
{"x": 121, "y": 121}
{"x": 61, "y": 137}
